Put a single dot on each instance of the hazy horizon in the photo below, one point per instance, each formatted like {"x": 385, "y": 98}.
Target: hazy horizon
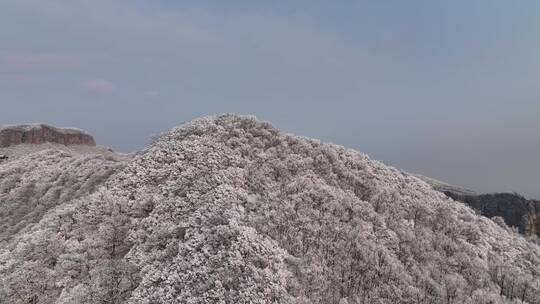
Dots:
{"x": 448, "y": 90}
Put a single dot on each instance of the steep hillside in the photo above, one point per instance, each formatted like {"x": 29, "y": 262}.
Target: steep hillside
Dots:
{"x": 227, "y": 209}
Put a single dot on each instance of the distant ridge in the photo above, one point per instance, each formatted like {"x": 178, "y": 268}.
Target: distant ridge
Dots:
{"x": 40, "y": 133}
{"x": 445, "y": 187}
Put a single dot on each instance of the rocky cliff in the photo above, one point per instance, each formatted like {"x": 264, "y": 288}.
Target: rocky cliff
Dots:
{"x": 41, "y": 133}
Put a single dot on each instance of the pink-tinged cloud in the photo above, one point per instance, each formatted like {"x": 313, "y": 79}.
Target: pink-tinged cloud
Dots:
{"x": 41, "y": 60}
{"x": 151, "y": 93}
{"x": 98, "y": 85}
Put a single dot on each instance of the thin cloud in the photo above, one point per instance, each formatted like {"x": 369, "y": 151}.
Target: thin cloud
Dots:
{"x": 151, "y": 94}
{"x": 99, "y": 85}
{"x": 406, "y": 87}
{"x": 41, "y": 60}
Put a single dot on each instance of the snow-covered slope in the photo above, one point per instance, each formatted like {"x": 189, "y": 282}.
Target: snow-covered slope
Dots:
{"x": 227, "y": 209}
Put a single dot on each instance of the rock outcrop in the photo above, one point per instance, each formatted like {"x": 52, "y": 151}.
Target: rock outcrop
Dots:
{"x": 41, "y": 133}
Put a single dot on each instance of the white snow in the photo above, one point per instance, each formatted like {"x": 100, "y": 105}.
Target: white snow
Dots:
{"x": 227, "y": 209}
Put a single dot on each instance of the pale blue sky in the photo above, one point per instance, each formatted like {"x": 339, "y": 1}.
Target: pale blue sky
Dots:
{"x": 449, "y": 89}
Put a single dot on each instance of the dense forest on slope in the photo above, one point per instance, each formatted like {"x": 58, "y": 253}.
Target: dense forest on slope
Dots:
{"x": 228, "y": 209}
{"x": 36, "y": 183}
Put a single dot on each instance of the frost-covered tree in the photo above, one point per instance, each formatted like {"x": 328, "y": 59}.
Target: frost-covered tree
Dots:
{"x": 33, "y": 184}
{"x": 227, "y": 209}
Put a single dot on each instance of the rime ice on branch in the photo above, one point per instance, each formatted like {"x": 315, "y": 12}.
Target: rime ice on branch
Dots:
{"x": 227, "y": 209}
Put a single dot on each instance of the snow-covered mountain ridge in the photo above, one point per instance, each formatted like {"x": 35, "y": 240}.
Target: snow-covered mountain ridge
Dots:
{"x": 227, "y": 209}
{"x": 445, "y": 187}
